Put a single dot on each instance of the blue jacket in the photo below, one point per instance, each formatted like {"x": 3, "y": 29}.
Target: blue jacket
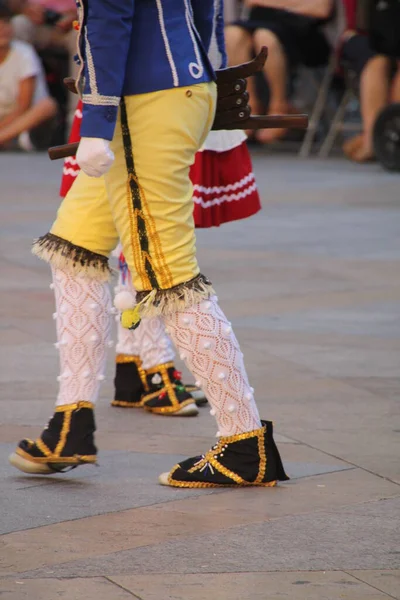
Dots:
{"x": 129, "y": 47}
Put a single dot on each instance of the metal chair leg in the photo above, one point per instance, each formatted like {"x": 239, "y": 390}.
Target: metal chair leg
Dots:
{"x": 336, "y": 126}
{"x": 318, "y": 109}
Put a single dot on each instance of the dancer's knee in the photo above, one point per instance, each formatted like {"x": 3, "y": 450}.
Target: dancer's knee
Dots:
{"x": 63, "y": 254}
{"x": 83, "y": 235}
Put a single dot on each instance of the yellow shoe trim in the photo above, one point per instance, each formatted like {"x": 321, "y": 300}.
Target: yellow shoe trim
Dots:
{"x": 148, "y": 397}
{"x": 201, "y": 484}
{"x": 77, "y": 459}
{"x": 263, "y": 457}
{"x": 169, "y": 387}
{"x": 42, "y": 447}
{"x": 205, "y": 484}
{"x": 242, "y": 436}
{"x": 75, "y": 406}
{"x": 169, "y": 409}
{"x": 211, "y": 457}
{"x": 64, "y": 432}
{"x": 125, "y": 404}
{"x": 158, "y": 368}
{"x": 130, "y": 358}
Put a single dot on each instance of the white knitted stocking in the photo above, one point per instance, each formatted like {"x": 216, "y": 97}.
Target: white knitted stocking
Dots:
{"x": 154, "y": 343}
{"x": 211, "y": 351}
{"x": 127, "y": 340}
{"x": 149, "y": 341}
{"x": 83, "y": 326}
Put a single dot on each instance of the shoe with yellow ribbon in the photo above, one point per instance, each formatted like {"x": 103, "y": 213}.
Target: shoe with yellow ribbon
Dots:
{"x": 246, "y": 459}
{"x": 166, "y": 394}
{"x": 130, "y": 383}
{"x": 66, "y": 442}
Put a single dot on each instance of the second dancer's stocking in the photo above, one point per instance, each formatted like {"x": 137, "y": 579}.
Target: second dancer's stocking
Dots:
{"x": 145, "y": 372}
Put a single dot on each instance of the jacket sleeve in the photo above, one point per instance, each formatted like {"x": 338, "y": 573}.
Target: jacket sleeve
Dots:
{"x": 203, "y": 18}
{"x": 105, "y": 34}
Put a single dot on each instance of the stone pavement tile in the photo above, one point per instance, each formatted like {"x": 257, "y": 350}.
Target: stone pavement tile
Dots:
{"x": 32, "y": 304}
{"x": 19, "y": 277}
{"x": 122, "y": 481}
{"x": 364, "y": 537}
{"x": 41, "y": 328}
{"x": 379, "y": 320}
{"x": 41, "y": 393}
{"x": 334, "y": 425}
{"x": 34, "y": 361}
{"x": 300, "y": 496}
{"x": 314, "y": 311}
{"x": 48, "y": 546}
{"x": 288, "y": 268}
{"x": 332, "y": 339}
{"x": 386, "y": 387}
{"x": 182, "y": 517}
{"x": 34, "y": 412}
{"x": 97, "y": 588}
{"x": 349, "y": 421}
{"x": 16, "y": 245}
{"x": 12, "y": 336}
{"x": 385, "y": 581}
{"x": 159, "y": 443}
{"x": 339, "y": 362}
{"x": 13, "y": 433}
{"x": 303, "y": 585}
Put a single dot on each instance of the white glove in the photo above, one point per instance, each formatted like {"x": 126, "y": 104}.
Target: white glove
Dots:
{"x": 94, "y": 156}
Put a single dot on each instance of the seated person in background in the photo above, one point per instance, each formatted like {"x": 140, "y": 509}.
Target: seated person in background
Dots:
{"x": 25, "y": 103}
{"x": 290, "y": 30}
{"x": 48, "y": 24}
{"x": 378, "y": 74}
{"x": 44, "y": 23}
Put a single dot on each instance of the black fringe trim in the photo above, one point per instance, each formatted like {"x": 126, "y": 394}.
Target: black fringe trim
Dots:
{"x": 62, "y": 253}
{"x": 198, "y": 284}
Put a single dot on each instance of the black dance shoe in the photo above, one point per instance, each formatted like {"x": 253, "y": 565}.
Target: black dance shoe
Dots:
{"x": 166, "y": 393}
{"x": 67, "y": 442}
{"x": 246, "y": 459}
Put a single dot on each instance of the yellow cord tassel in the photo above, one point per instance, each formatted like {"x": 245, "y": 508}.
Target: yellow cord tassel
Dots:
{"x": 130, "y": 318}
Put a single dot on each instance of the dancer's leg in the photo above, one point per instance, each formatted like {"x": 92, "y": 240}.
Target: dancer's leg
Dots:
{"x": 158, "y": 242}
{"x": 211, "y": 351}
{"x": 130, "y": 377}
{"x": 245, "y": 453}
{"x": 83, "y": 328}
{"x": 77, "y": 248}
{"x": 146, "y": 375}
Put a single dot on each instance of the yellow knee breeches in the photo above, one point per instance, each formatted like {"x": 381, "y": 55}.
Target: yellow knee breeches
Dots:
{"x": 145, "y": 200}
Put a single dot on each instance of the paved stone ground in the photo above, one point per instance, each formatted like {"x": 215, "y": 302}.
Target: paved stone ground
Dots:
{"x": 312, "y": 286}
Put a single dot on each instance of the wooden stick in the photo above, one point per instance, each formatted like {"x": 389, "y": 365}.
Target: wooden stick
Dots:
{"x": 256, "y": 122}
{"x": 63, "y": 151}
{"x": 273, "y": 122}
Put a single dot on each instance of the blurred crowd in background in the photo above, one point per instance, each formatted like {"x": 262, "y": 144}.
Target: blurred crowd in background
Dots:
{"x": 337, "y": 60}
